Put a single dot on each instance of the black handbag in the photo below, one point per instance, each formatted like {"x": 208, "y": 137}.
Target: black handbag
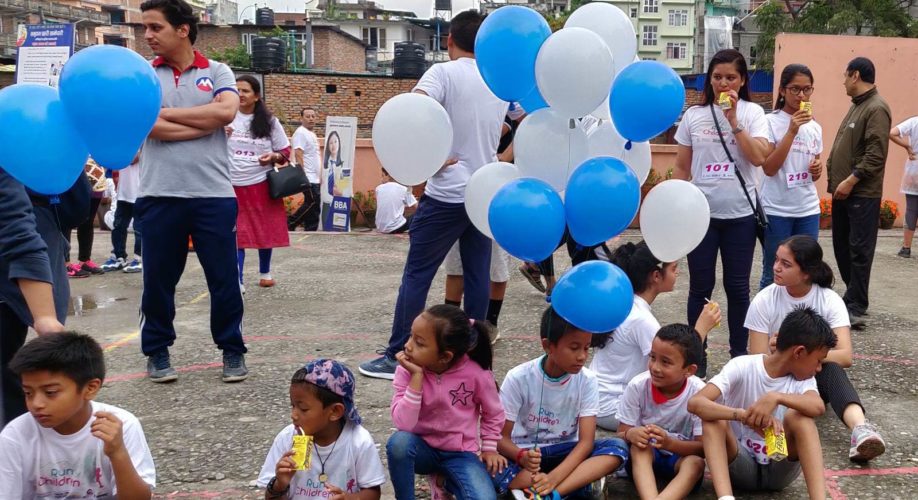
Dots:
{"x": 761, "y": 218}
{"x": 287, "y": 181}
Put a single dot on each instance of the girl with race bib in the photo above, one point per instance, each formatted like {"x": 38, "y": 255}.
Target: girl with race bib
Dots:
{"x": 722, "y": 142}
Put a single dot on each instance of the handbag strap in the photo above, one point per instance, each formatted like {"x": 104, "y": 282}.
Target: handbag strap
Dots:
{"x": 730, "y": 157}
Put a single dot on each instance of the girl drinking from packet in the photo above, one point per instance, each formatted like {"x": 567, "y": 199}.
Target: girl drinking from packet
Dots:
{"x": 789, "y": 191}
{"x": 443, "y": 385}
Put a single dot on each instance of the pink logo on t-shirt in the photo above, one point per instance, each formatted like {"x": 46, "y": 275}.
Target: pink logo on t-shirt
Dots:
{"x": 205, "y": 84}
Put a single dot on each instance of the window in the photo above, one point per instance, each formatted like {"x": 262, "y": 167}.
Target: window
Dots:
{"x": 633, "y": 12}
{"x": 375, "y": 37}
{"x": 409, "y": 35}
{"x": 117, "y": 16}
{"x": 677, "y": 50}
{"x": 678, "y": 17}
{"x": 651, "y": 6}
{"x": 649, "y": 36}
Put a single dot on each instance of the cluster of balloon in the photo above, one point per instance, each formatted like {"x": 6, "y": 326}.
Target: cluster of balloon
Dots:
{"x": 581, "y": 153}
{"x": 108, "y": 102}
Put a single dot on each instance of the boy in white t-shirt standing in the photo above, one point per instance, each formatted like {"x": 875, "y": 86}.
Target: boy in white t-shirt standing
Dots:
{"x": 477, "y": 116}
{"x": 653, "y": 414}
{"x": 758, "y": 392}
{"x": 392, "y": 199}
{"x": 70, "y": 446}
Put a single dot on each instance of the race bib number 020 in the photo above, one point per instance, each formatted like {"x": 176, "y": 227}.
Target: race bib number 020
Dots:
{"x": 718, "y": 171}
{"x": 797, "y": 179}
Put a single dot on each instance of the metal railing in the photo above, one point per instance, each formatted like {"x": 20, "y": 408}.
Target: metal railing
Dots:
{"x": 54, "y": 10}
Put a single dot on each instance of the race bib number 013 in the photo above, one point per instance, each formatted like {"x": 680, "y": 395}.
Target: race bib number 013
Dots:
{"x": 718, "y": 171}
{"x": 797, "y": 179}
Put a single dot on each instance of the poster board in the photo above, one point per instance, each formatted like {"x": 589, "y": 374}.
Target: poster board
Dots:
{"x": 337, "y": 172}
{"x": 42, "y": 51}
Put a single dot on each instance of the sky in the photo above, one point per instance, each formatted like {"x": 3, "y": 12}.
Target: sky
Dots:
{"x": 423, "y": 8}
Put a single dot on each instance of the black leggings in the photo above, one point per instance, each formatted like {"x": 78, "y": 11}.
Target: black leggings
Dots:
{"x": 85, "y": 232}
{"x": 836, "y": 389}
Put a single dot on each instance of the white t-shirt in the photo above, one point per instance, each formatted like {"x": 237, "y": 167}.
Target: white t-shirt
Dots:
{"x": 391, "y": 200}
{"x": 710, "y": 169}
{"x": 909, "y": 129}
{"x": 36, "y": 462}
{"x": 638, "y": 407}
{"x": 477, "y": 116}
{"x": 742, "y": 382}
{"x": 352, "y": 463}
{"x": 624, "y": 355}
{"x": 245, "y": 150}
{"x": 770, "y": 306}
{"x": 129, "y": 183}
{"x": 791, "y": 192}
{"x": 306, "y": 141}
{"x": 563, "y": 402}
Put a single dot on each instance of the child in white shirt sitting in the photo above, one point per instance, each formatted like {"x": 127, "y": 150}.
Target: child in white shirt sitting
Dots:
{"x": 391, "y": 200}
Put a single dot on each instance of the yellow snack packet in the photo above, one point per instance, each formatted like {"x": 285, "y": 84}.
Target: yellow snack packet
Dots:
{"x": 806, "y": 106}
{"x": 776, "y": 444}
{"x": 724, "y": 101}
{"x": 302, "y": 451}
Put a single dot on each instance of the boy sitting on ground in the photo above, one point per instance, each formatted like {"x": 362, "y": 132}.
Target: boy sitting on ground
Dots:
{"x": 392, "y": 199}
{"x": 70, "y": 446}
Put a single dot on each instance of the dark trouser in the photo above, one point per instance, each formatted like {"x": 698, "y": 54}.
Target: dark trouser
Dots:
{"x": 735, "y": 240}
{"x": 308, "y": 213}
{"x": 124, "y": 212}
{"x": 577, "y": 252}
{"x": 12, "y": 335}
{"x": 855, "y": 222}
{"x": 85, "y": 232}
{"x": 836, "y": 389}
{"x": 434, "y": 229}
{"x": 167, "y": 223}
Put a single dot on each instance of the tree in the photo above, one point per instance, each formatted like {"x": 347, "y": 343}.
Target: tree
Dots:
{"x": 835, "y": 17}
{"x": 235, "y": 57}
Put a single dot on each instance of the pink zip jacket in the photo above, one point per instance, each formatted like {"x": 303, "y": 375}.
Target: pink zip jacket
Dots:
{"x": 446, "y": 413}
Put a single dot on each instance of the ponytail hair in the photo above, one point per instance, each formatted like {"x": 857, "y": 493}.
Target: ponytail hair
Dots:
{"x": 261, "y": 118}
{"x": 458, "y": 334}
{"x": 790, "y": 71}
{"x": 808, "y": 255}
{"x": 638, "y": 262}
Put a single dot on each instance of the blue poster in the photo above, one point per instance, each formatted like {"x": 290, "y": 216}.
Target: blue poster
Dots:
{"x": 42, "y": 50}
{"x": 338, "y": 215}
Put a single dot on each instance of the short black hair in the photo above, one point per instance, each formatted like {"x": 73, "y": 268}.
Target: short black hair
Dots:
{"x": 177, "y": 12}
{"x": 325, "y": 396}
{"x": 554, "y": 326}
{"x": 686, "y": 339}
{"x": 804, "y": 326}
{"x": 75, "y": 355}
{"x": 864, "y": 67}
{"x": 307, "y": 108}
{"x": 463, "y": 27}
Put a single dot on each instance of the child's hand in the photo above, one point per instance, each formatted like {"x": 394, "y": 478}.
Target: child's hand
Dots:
{"x": 709, "y": 319}
{"x": 659, "y": 438}
{"x": 108, "y": 428}
{"x": 284, "y": 471}
{"x": 335, "y": 492}
{"x": 759, "y": 415}
{"x": 412, "y": 368}
{"x": 639, "y": 436}
{"x": 543, "y": 483}
{"x": 531, "y": 460}
{"x": 494, "y": 462}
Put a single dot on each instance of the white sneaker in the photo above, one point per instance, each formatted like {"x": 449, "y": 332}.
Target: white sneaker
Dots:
{"x": 112, "y": 264}
{"x": 866, "y": 443}
{"x": 136, "y": 266}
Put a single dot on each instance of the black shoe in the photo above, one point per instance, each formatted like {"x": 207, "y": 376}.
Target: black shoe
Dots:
{"x": 234, "y": 369}
{"x": 905, "y": 252}
{"x": 857, "y": 320}
{"x": 159, "y": 369}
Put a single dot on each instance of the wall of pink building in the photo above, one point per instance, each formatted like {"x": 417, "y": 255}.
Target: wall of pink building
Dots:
{"x": 897, "y": 80}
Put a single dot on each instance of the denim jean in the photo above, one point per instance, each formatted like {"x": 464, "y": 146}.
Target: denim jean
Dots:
{"x": 735, "y": 240}
{"x": 124, "y": 212}
{"x": 466, "y": 476}
{"x": 779, "y": 229}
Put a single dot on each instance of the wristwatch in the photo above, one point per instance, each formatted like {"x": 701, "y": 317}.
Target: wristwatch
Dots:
{"x": 738, "y": 129}
{"x": 272, "y": 493}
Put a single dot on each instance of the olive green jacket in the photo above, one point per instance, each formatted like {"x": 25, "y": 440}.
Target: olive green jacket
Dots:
{"x": 861, "y": 145}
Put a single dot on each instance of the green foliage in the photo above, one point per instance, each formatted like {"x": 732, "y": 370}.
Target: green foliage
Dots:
{"x": 235, "y": 57}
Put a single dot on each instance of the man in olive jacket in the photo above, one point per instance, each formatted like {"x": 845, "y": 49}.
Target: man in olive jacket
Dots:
{"x": 855, "y": 167}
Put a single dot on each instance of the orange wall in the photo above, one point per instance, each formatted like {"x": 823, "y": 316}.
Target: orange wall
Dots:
{"x": 828, "y": 56}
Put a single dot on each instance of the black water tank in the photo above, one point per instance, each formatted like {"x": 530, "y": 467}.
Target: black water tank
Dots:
{"x": 409, "y": 60}
{"x": 268, "y": 53}
{"x": 264, "y": 16}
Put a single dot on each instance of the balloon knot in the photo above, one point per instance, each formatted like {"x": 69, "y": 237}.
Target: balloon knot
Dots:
{"x": 54, "y": 200}
{"x": 548, "y": 299}
{"x": 628, "y": 146}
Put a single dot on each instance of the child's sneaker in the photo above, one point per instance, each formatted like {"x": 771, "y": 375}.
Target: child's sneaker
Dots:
{"x": 866, "y": 443}
{"x": 905, "y": 252}
{"x": 76, "y": 271}
{"x": 597, "y": 489}
{"x": 91, "y": 267}
{"x": 437, "y": 484}
{"x": 135, "y": 266}
{"x": 113, "y": 264}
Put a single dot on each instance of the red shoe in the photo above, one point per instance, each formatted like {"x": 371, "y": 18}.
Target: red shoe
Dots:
{"x": 76, "y": 271}
{"x": 91, "y": 267}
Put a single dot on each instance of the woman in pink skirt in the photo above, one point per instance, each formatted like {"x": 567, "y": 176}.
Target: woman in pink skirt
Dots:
{"x": 257, "y": 142}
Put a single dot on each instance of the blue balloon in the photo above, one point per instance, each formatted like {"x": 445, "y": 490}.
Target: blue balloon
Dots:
{"x": 39, "y": 145}
{"x": 533, "y": 102}
{"x": 527, "y": 219}
{"x": 506, "y": 47}
{"x": 117, "y": 95}
{"x": 647, "y": 98}
{"x": 594, "y": 296}
{"x": 601, "y": 199}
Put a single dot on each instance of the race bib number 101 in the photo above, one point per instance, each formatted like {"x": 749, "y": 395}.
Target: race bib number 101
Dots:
{"x": 718, "y": 171}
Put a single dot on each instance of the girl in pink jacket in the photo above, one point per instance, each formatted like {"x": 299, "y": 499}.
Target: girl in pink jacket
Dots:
{"x": 445, "y": 404}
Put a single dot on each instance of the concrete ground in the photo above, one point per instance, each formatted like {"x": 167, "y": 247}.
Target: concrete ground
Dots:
{"x": 335, "y": 297}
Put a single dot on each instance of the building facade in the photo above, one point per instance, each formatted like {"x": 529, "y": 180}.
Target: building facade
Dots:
{"x": 665, "y": 30}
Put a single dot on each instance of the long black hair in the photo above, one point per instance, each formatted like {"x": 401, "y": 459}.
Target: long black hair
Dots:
{"x": 327, "y": 140}
{"x": 261, "y": 118}
{"x": 727, "y": 56}
{"x": 457, "y": 334}
{"x": 808, "y": 255}
{"x": 638, "y": 262}
{"x": 790, "y": 71}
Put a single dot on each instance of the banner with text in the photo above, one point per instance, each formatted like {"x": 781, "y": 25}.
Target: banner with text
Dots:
{"x": 337, "y": 173}
{"x": 42, "y": 51}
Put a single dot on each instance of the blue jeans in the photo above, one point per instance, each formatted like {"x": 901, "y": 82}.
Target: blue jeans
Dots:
{"x": 779, "y": 229}
{"x": 735, "y": 240}
{"x": 466, "y": 475}
{"x": 124, "y": 212}
{"x": 434, "y": 228}
{"x": 554, "y": 454}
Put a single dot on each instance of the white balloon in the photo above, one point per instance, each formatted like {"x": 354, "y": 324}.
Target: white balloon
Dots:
{"x": 605, "y": 140}
{"x": 574, "y": 71}
{"x": 639, "y": 159}
{"x": 482, "y": 186}
{"x": 603, "y": 112}
{"x": 612, "y": 25}
{"x": 549, "y": 146}
{"x": 674, "y": 219}
{"x": 412, "y": 136}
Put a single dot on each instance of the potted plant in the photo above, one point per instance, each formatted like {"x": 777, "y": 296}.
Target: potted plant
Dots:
{"x": 889, "y": 211}
{"x": 825, "y": 213}
{"x": 365, "y": 205}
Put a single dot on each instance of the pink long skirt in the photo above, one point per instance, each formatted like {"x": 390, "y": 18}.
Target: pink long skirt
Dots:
{"x": 262, "y": 222}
